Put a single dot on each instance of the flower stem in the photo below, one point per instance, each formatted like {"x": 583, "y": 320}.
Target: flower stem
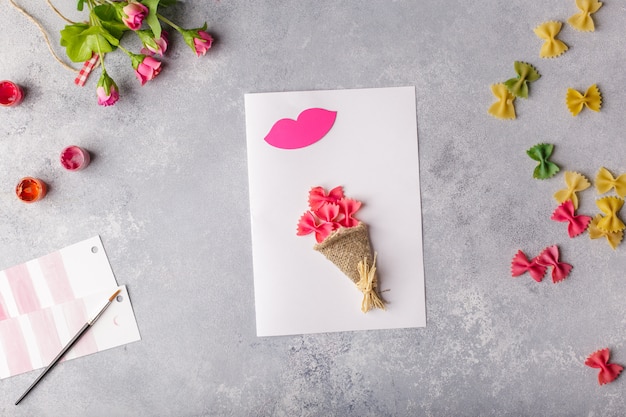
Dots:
{"x": 125, "y": 50}
{"x": 169, "y": 22}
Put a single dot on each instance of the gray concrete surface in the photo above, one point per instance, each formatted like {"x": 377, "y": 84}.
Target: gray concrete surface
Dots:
{"x": 167, "y": 192}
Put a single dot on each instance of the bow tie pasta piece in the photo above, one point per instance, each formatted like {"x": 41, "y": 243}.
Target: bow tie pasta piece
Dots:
{"x": 575, "y": 101}
{"x": 582, "y": 21}
{"x": 552, "y": 47}
{"x": 520, "y": 264}
{"x": 610, "y": 206}
{"x": 550, "y": 257}
{"x": 503, "y": 108}
{"x": 526, "y": 73}
{"x": 605, "y": 182}
{"x": 541, "y": 153}
{"x": 608, "y": 371}
{"x": 613, "y": 238}
{"x": 566, "y": 213}
{"x": 575, "y": 182}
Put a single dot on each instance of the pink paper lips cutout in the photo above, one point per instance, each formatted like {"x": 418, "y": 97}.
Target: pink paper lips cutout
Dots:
{"x": 311, "y": 126}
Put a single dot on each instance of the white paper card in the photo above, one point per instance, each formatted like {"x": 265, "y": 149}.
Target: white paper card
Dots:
{"x": 44, "y": 302}
{"x": 371, "y": 150}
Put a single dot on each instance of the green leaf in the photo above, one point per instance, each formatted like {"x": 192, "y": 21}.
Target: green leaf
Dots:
{"x": 81, "y": 41}
{"x": 110, "y": 19}
{"x": 79, "y": 6}
{"x": 147, "y": 38}
{"x": 152, "y": 19}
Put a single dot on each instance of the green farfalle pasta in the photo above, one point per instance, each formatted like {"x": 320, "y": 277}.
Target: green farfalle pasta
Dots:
{"x": 541, "y": 153}
{"x": 526, "y": 73}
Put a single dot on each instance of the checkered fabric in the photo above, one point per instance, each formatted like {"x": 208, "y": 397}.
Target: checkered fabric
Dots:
{"x": 88, "y": 66}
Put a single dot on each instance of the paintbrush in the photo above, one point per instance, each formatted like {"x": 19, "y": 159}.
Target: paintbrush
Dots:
{"x": 69, "y": 345}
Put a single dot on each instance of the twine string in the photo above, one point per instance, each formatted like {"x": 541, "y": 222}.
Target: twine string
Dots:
{"x": 367, "y": 284}
{"x": 43, "y": 32}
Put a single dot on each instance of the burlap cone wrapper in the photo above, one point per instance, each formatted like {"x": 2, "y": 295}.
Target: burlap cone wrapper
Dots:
{"x": 349, "y": 249}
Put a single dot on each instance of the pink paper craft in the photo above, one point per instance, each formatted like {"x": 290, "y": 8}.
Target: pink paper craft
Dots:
{"x": 608, "y": 371}
{"x": 566, "y": 213}
{"x": 520, "y": 264}
{"x": 311, "y": 126}
{"x": 550, "y": 257}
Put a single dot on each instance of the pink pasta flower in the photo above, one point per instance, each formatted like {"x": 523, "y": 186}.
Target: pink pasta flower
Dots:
{"x": 322, "y": 222}
{"x": 133, "y": 15}
{"x": 347, "y": 210}
{"x": 308, "y": 224}
{"x": 318, "y": 196}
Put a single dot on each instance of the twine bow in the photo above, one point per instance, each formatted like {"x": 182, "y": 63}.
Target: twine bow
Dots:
{"x": 367, "y": 285}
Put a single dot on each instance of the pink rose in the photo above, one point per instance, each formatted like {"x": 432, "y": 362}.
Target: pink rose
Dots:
{"x": 135, "y": 13}
{"x": 161, "y": 45}
{"x": 147, "y": 69}
{"x": 107, "y": 100}
{"x": 203, "y": 43}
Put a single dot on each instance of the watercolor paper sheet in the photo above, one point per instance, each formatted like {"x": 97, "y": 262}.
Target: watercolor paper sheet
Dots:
{"x": 371, "y": 150}
{"x": 44, "y": 302}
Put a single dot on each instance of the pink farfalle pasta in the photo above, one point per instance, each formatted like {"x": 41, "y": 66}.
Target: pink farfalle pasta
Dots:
{"x": 343, "y": 240}
{"x": 608, "y": 371}
{"x": 549, "y": 257}
{"x": 321, "y": 222}
{"x": 347, "y": 210}
{"x": 566, "y": 213}
{"x": 318, "y": 196}
{"x": 520, "y": 265}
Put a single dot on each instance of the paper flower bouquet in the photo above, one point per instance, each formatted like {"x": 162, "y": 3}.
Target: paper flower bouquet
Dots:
{"x": 343, "y": 239}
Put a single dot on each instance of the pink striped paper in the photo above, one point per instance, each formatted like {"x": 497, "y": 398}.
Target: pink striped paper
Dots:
{"x": 22, "y": 289}
{"x": 54, "y": 271}
{"x": 44, "y": 302}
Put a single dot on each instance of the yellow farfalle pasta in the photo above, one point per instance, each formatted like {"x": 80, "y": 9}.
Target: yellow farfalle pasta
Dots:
{"x": 503, "y": 108}
{"x": 576, "y": 101}
{"x": 552, "y": 47}
{"x": 605, "y": 182}
{"x": 610, "y": 222}
{"x": 582, "y": 21}
{"x": 575, "y": 182}
{"x": 613, "y": 238}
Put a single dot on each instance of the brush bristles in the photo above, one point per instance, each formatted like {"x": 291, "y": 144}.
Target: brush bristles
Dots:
{"x": 111, "y": 298}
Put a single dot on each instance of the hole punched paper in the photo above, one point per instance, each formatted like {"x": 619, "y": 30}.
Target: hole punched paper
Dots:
{"x": 45, "y": 301}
